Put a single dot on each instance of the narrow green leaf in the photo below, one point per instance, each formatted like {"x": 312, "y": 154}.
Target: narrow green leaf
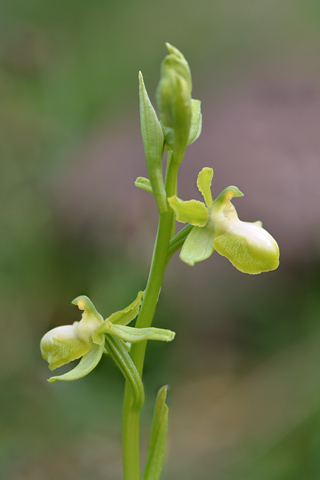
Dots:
{"x": 204, "y": 184}
{"x": 158, "y": 437}
{"x": 153, "y": 141}
{"x": 88, "y": 362}
{"x": 122, "y": 359}
{"x": 198, "y": 246}
{"x": 191, "y": 211}
{"x": 135, "y": 335}
{"x": 144, "y": 184}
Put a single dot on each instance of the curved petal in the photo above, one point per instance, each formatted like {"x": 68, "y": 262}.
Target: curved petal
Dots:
{"x": 198, "y": 245}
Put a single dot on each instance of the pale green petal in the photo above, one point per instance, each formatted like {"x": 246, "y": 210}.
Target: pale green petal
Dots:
{"x": 204, "y": 184}
{"x": 198, "y": 246}
{"x": 144, "y": 184}
{"x": 85, "y": 366}
{"x": 191, "y": 211}
{"x": 135, "y": 335}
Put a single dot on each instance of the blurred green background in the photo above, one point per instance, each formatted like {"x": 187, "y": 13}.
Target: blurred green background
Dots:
{"x": 244, "y": 369}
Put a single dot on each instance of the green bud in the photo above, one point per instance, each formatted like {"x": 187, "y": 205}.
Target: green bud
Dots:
{"x": 174, "y": 98}
{"x": 195, "y": 127}
{"x": 248, "y": 246}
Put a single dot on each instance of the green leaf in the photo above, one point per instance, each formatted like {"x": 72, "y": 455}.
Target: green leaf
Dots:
{"x": 191, "y": 211}
{"x": 153, "y": 141}
{"x": 158, "y": 437}
{"x": 85, "y": 366}
{"x": 198, "y": 246}
{"x": 122, "y": 359}
{"x": 135, "y": 335}
{"x": 144, "y": 184}
{"x": 204, "y": 184}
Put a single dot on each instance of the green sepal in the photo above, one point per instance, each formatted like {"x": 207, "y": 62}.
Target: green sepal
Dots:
{"x": 122, "y": 317}
{"x": 195, "y": 127}
{"x": 135, "y": 335}
{"x": 125, "y": 316}
{"x": 119, "y": 354}
{"x": 198, "y": 245}
{"x": 204, "y": 181}
{"x": 191, "y": 211}
{"x": 88, "y": 362}
{"x": 158, "y": 438}
{"x": 153, "y": 141}
{"x": 144, "y": 184}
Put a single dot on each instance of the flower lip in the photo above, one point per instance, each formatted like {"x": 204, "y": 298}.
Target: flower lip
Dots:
{"x": 248, "y": 246}
{"x": 63, "y": 344}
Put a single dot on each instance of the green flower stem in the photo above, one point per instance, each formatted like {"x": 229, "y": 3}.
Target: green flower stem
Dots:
{"x": 130, "y": 427}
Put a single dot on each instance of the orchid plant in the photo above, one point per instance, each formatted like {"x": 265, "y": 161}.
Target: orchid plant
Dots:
{"x": 212, "y": 225}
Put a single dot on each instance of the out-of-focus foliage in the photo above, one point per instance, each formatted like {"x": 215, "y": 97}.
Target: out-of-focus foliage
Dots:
{"x": 245, "y": 399}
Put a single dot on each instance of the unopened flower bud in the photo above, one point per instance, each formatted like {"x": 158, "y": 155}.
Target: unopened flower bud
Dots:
{"x": 174, "y": 98}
